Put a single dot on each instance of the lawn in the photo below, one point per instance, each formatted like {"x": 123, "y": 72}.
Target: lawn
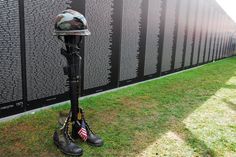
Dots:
{"x": 188, "y": 114}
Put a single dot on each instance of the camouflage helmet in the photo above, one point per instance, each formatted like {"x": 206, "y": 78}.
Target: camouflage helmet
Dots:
{"x": 71, "y": 22}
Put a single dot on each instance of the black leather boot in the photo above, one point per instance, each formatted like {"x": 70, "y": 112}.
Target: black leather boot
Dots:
{"x": 92, "y": 138}
{"x": 64, "y": 142}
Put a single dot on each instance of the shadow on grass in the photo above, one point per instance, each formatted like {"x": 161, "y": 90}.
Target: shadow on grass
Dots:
{"x": 230, "y": 104}
{"x": 145, "y": 117}
{"x": 230, "y": 86}
{"x": 196, "y": 144}
{"x": 129, "y": 120}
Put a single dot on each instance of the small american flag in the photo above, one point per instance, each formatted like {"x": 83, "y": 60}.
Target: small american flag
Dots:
{"x": 82, "y": 131}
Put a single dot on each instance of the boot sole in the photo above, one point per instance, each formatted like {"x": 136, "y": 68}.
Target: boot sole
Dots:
{"x": 91, "y": 144}
{"x": 58, "y": 146}
{"x": 95, "y": 145}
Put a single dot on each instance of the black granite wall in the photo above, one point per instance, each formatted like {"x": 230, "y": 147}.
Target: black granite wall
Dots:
{"x": 131, "y": 41}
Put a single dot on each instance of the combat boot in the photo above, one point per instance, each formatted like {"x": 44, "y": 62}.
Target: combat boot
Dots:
{"x": 64, "y": 142}
{"x": 92, "y": 139}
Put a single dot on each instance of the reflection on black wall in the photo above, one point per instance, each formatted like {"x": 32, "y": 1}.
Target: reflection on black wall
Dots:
{"x": 131, "y": 41}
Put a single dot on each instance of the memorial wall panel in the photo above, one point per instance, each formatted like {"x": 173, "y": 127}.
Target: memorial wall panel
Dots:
{"x": 197, "y": 32}
{"x": 191, "y": 28}
{"x": 169, "y": 35}
{"x": 205, "y": 19}
{"x": 130, "y": 39}
{"x": 216, "y": 39}
{"x": 182, "y": 26}
{"x": 209, "y": 33}
{"x": 213, "y": 35}
{"x": 97, "y": 51}
{"x": 152, "y": 38}
{"x": 44, "y": 64}
{"x": 10, "y": 56}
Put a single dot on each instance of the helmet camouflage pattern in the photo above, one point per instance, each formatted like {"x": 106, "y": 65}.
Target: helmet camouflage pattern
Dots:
{"x": 71, "y": 22}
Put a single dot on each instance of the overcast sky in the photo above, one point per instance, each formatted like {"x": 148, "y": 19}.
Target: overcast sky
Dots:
{"x": 229, "y": 6}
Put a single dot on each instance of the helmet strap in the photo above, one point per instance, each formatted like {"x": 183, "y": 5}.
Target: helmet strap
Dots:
{"x": 69, "y": 43}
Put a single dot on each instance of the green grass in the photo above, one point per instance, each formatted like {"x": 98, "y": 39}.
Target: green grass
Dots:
{"x": 172, "y": 112}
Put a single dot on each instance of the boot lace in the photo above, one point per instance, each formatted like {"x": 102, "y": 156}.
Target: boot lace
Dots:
{"x": 65, "y": 128}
